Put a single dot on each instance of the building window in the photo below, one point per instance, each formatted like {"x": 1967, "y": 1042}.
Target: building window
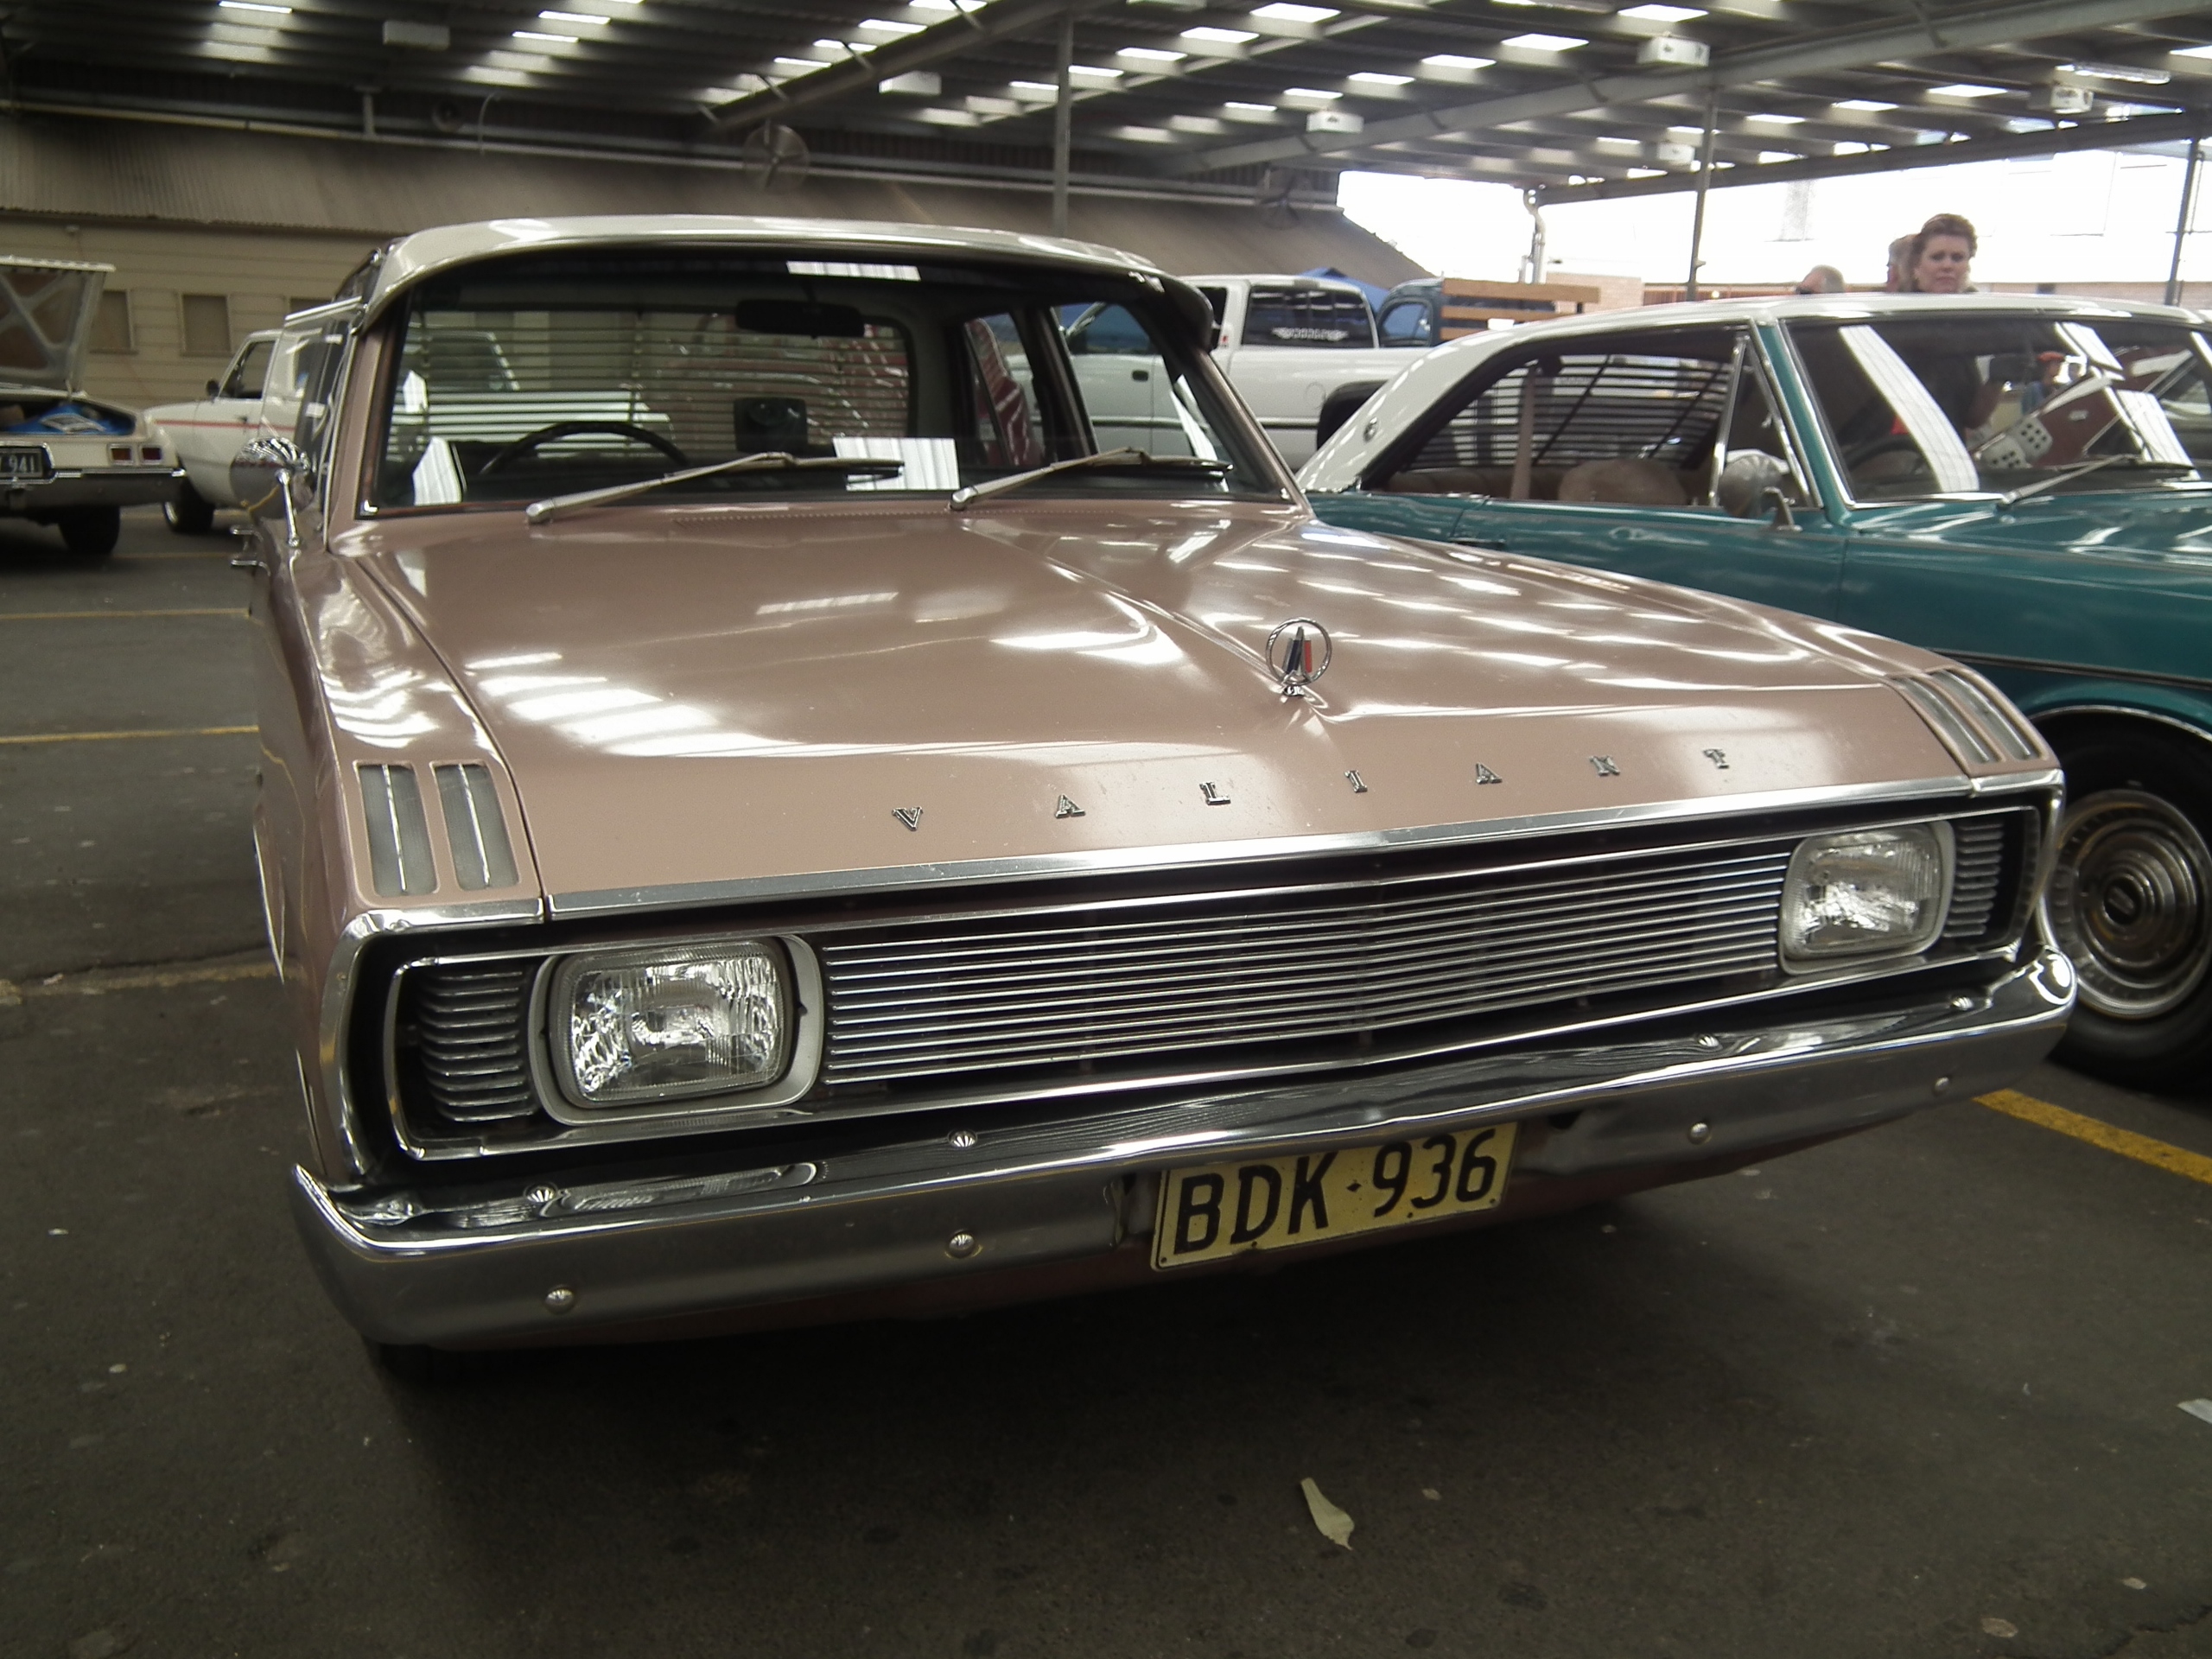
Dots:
{"x": 112, "y": 322}
{"x": 206, "y": 325}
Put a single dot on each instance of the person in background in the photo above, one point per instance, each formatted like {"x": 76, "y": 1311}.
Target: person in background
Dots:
{"x": 1942, "y": 255}
{"x": 1820, "y": 279}
{"x": 1899, "y": 280}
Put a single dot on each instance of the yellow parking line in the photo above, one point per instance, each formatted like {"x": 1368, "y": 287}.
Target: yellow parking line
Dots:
{"x": 104, "y": 737}
{"x": 2141, "y": 1148}
{"x": 78, "y": 616}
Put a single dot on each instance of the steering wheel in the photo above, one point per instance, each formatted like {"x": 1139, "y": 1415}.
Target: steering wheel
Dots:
{"x": 1888, "y": 443}
{"x": 530, "y": 442}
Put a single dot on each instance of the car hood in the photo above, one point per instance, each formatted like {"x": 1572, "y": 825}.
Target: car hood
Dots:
{"x": 689, "y": 700}
{"x": 46, "y": 318}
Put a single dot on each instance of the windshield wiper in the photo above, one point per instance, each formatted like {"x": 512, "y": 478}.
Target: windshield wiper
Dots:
{"x": 2053, "y": 481}
{"x": 774, "y": 461}
{"x": 1134, "y": 459}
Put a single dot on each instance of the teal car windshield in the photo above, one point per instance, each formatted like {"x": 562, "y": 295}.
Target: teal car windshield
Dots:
{"x": 1922, "y": 406}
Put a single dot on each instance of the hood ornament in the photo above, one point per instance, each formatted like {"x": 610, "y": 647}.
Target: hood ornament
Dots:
{"x": 1297, "y": 654}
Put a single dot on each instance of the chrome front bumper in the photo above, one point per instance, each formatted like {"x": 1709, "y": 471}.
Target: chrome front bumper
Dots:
{"x": 540, "y": 1260}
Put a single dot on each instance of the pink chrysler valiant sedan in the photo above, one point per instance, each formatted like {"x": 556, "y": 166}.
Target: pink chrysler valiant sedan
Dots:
{"x": 765, "y": 817}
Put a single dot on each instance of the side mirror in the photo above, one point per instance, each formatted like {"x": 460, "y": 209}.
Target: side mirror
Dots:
{"x": 1748, "y": 479}
{"x": 215, "y": 389}
{"x": 263, "y": 476}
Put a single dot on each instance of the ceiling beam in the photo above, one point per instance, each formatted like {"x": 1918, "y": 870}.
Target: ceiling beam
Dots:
{"x": 940, "y": 43}
{"x": 2090, "y": 134}
{"x": 1813, "y": 54}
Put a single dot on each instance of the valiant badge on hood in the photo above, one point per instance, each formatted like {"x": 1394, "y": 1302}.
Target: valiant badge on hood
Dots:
{"x": 1298, "y": 654}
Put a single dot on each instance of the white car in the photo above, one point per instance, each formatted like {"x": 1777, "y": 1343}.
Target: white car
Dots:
{"x": 207, "y": 435}
{"x": 67, "y": 459}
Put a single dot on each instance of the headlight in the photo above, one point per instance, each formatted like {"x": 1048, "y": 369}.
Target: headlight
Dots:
{"x": 665, "y": 1023}
{"x": 1865, "y": 893}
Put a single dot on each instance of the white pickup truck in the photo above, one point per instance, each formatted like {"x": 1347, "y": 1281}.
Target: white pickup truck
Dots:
{"x": 1300, "y": 350}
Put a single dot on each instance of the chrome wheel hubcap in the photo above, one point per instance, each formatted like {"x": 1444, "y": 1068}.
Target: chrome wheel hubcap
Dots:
{"x": 2131, "y": 901}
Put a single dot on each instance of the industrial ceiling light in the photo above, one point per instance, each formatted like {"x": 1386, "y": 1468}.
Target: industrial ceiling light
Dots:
{"x": 1454, "y": 61}
{"x": 1151, "y": 54}
{"x": 590, "y": 20}
{"x": 253, "y": 5}
{"x": 1660, "y": 13}
{"x": 2127, "y": 72}
{"x": 542, "y": 34}
{"x": 1777, "y": 120}
{"x": 1871, "y": 105}
{"x": 1964, "y": 89}
{"x": 1281, "y": 12}
{"x": 1377, "y": 78}
{"x": 1545, "y": 42}
{"x": 1208, "y": 33}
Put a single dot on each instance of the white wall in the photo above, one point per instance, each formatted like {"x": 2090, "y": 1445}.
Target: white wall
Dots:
{"x": 2097, "y": 216}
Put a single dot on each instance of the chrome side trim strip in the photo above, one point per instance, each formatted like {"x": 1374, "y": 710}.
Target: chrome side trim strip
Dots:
{"x": 1197, "y": 855}
{"x": 2122, "y": 711}
{"x": 2038, "y": 665}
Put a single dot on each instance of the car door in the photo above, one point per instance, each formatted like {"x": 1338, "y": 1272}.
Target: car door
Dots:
{"x": 1658, "y": 453}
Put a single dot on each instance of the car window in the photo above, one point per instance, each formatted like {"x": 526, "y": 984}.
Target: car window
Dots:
{"x": 247, "y": 374}
{"x": 1919, "y": 406}
{"x": 1636, "y": 423}
{"x": 1306, "y": 317}
{"x": 547, "y": 375}
{"x": 1406, "y": 322}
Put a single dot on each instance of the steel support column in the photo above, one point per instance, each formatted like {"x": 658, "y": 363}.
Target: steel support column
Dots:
{"x": 1704, "y": 184}
{"x": 2182, "y": 219}
{"x": 1063, "y": 121}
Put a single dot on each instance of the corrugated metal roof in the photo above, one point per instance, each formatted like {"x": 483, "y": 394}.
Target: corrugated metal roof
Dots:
{"x": 110, "y": 170}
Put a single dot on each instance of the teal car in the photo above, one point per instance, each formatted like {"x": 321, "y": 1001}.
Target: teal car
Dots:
{"x": 2021, "y": 482}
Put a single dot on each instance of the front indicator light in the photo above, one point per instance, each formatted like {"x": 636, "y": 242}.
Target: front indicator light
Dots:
{"x": 665, "y": 1024}
{"x": 1865, "y": 893}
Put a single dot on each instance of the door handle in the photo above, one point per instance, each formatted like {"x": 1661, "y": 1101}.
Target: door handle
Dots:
{"x": 1140, "y": 374}
{"x": 248, "y": 561}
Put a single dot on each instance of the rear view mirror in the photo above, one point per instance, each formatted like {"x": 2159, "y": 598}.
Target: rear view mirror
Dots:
{"x": 215, "y": 389}
{"x": 263, "y": 477}
{"x": 804, "y": 317}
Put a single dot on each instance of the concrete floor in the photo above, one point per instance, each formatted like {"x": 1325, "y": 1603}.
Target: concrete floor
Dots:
{"x": 1911, "y": 1393}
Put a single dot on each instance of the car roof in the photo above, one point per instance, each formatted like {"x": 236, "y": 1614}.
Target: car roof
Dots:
{"x": 409, "y": 259}
{"x": 1441, "y": 367}
{"x": 1281, "y": 280}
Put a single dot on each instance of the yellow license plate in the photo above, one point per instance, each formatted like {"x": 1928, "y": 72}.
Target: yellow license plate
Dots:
{"x": 1268, "y": 1204}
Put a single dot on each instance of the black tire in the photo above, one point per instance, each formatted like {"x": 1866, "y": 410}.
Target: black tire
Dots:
{"x": 89, "y": 532}
{"x": 1340, "y": 406}
{"x": 2130, "y": 902}
{"x": 188, "y": 512}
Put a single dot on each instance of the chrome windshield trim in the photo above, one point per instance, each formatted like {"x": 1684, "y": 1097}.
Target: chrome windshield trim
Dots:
{"x": 1198, "y": 855}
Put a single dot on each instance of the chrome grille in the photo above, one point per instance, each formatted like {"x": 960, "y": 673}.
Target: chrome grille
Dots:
{"x": 1978, "y": 868}
{"x": 1292, "y": 964}
{"x": 468, "y": 1028}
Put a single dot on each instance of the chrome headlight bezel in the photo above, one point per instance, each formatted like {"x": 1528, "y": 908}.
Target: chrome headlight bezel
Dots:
{"x": 564, "y": 1099}
{"x": 1925, "y": 936}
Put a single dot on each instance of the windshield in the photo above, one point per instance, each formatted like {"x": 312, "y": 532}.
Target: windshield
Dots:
{"x": 550, "y": 375}
{"x": 1924, "y": 405}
